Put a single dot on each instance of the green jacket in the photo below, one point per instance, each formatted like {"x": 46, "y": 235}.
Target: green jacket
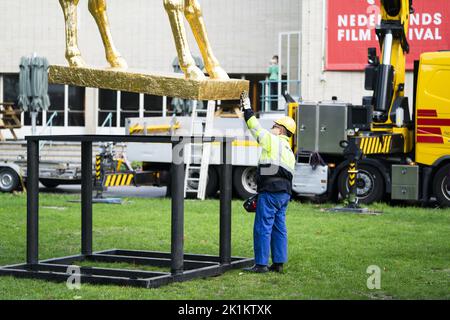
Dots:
{"x": 273, "y": 72}
{"x": 277, "y": 161}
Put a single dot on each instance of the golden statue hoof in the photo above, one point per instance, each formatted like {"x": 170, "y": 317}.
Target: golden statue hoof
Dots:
{"x": 76, "y": 61}
{"x": 118, "y": 63}
{"x": 194, "y": 73}
{"x": 218, "y": 73}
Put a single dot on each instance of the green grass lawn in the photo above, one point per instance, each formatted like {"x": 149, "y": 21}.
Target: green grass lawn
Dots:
{"x": 328, "y": 253}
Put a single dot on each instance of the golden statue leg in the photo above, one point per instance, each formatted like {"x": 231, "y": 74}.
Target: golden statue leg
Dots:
{"x": 98, "y": 10}
{"x": 194, "y": 16}
{"x": 175, "y": 10}
{"x": 73, "y": 54}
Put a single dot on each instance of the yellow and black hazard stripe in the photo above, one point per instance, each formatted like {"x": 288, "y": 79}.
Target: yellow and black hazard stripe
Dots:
{"x": 118, "y": 179}
{"x": 98, "y": 171}
{"x": 352, "y": 173}
{"x": 376, "y": 145}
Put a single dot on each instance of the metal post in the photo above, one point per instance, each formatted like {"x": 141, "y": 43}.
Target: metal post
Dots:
{"x": 177, "y": 176}
{"x": 32, "y": 202}
{"x": 225, "y": 203}
{"x": 86, "y": 198}
{"x": 33, "y": 122}
{"x": 352, "y": 187}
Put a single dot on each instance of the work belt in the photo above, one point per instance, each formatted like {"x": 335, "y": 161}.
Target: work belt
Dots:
{"x": 274, "y": 184}
{"x": 274, "y": 179}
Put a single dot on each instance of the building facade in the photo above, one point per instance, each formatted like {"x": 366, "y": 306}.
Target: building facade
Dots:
{"x": 244, "y": 35}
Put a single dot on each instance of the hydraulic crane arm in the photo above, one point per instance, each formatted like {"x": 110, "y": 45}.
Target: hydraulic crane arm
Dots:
{"x": 386, "y": 77}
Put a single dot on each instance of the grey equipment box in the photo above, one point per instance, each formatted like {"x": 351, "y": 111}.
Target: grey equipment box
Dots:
{"x": 321, "y": 126}
{"x": 309, "y": 182}
{"x": 405, "y": 182}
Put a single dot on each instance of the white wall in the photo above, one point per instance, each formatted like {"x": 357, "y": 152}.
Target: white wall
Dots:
{"x": 318, "y": 84}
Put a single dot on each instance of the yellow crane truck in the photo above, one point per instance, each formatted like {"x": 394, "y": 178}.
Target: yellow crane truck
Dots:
{"x": 406, "y": 155}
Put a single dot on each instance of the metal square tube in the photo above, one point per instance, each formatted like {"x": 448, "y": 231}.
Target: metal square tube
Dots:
{"x": 86, "y": 197}
{"x": 177, "y": 185}
{"x": 225, "y": 203}
{"x": 32, "y": 202}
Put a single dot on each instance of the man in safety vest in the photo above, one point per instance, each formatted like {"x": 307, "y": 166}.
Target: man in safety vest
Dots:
{"x": 274, "y": 181}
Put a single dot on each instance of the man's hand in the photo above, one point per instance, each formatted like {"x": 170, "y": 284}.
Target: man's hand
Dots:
{"x": 245, "y": 101}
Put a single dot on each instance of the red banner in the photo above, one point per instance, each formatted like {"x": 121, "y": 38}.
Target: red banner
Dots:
{"x": 351, "y": 30}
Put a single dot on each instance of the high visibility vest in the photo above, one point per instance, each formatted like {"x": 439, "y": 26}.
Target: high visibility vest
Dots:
{"x": 277, "y": 161}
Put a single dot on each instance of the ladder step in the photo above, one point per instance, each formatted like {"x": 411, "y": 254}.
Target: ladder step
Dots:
{"x": 199, "y": 152}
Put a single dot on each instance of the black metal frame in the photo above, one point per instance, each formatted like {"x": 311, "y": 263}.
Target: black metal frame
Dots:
{"x": 183, "y": 266}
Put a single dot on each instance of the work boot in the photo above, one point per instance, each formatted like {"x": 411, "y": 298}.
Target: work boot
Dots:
{"x": 276, "y": 267}
{"x": 257, "y": 268}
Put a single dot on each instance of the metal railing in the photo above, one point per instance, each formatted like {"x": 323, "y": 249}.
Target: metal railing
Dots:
{"x": 48, "y": 125}
{"x": 108, "y": 119}
{"x": 272, "y": 91}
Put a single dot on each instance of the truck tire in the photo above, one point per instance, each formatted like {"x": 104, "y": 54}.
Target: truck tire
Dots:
{"x": 441, "y": 186}
{"x": 49, "y": 184}
{"x": 370, "y": 184}
{"x": 212, "y": 185}
{"x": 244, "y": 181}
{"x": 9, "y": 180}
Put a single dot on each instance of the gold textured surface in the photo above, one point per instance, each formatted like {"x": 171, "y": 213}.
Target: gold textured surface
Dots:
{"x": 153, "y": 84}
{"x": 176, "y": 10}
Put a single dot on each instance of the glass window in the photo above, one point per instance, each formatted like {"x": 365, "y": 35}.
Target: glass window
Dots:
{"x": 11, "y": 89}
{"x": 170, "y": 106}
{"x": 55, "y": 113}
{"x": 129, "y": 106}
{"x": 153, "y": 106}
{"x": 57, "y": 97}
{"x": 107, "y": 105}
{"x": 27, "y": 119}
{"x": 76, "y": 106}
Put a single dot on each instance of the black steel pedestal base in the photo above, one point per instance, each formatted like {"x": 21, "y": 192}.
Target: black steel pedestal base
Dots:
{"x": 196, "y": 266}
{"x": 181, "y": 266}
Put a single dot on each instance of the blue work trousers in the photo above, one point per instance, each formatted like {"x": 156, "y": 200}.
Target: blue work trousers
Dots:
{"x": 269, "y": 231}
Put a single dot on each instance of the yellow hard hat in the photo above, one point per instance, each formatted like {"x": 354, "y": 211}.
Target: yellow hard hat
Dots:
{"x": 288, "y": 123}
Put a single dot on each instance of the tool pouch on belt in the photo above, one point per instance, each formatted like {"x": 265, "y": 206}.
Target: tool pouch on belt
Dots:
{"x": 250, "y": 203}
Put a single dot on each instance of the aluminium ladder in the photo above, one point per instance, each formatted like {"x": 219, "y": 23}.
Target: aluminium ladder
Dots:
{"x": 198, "y": 154}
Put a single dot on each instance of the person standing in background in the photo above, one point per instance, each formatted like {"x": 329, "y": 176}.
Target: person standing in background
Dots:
{"x": 274, "y": 71}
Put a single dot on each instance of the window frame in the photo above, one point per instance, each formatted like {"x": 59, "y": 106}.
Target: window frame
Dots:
{"x": 47, "y": 114}
{"x": 119, "y": 112}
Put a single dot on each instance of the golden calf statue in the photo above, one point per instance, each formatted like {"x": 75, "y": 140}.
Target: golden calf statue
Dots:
{"x": 176, "y": 9}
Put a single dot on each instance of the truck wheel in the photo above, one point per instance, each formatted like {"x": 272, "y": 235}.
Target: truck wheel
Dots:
{"x": 49, "y": 184}
{"x": 370, "y": 184}
{"x": 212, "y": 185}
{"x": 441, "y": 186}
{"x": 9, "y": 180}
{"x": 244, "y": 181}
